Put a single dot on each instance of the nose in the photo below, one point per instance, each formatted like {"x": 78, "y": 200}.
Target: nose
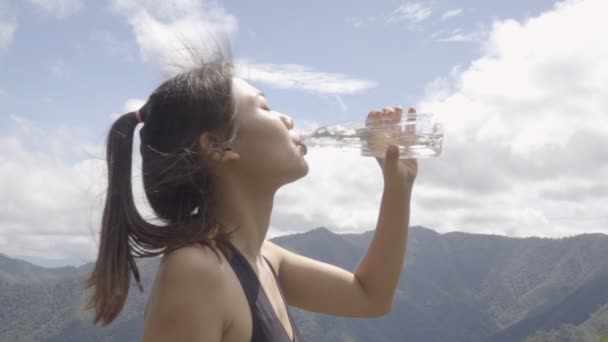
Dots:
{"x": 287, "y": 121}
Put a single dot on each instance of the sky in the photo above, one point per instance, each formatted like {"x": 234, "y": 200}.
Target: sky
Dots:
{"x": 521, "y": 86}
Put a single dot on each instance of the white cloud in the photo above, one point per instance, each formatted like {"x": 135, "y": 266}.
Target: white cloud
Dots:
{"x": 526, "y": 129}
{"x": 59, "y": 8}
{"x": 524, "y": 152}
{"x": 451, "y": 13}
{"x": 341, "y": 104}
{"x": 163, "y": 28}
{"x": 355, "y": 21}
{"x": 358, "y": 22}
{"x": 8, "y": 26}
{"x": 64, "y": 196}
{"x": 130, "y": 105}
{"x": 61, "y": 177}
{"x": 58, "y": 69}
{"x": 457, "y": 36}
{"x": 165, "y": 9}
{"x": 7, "y": 32}
{"x": 342, "y": 191}
{"x": 411, "y": 12}
{"x": 294, "y": 76}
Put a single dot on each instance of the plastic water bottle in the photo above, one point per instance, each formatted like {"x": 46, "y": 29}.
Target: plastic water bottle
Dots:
{"x": 418, "y": 135}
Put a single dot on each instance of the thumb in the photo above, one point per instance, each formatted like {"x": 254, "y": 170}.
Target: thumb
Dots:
{"x": 391, "y": 159}
{"x": 392, "y": 154}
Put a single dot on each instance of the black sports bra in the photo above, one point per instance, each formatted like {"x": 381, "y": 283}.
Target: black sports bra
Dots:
{"x": 266, "y": 325}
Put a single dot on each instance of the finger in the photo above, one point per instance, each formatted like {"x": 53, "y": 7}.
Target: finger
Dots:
{"x": 373, "y": 117}
{"x": 391, "y": 156}
{"x": 371, "y": 113}
{"x": 394, "y": 122}
{"x": 398, "y": 113}
{"x": 368, "y": 119}
{"x": 410, "y": 127}
{"x": 387, "y": 114}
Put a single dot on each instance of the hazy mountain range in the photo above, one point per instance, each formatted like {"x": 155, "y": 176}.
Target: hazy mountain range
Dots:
{"x": 455, "y": 287}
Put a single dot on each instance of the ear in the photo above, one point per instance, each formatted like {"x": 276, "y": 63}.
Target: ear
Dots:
{"x": 210, "y": 146}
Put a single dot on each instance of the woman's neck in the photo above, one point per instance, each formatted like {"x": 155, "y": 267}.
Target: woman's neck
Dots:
{"x": 248, "y": 209}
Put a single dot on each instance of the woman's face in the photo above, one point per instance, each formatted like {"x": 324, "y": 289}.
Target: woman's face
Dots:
{"x": 269, "y": 150}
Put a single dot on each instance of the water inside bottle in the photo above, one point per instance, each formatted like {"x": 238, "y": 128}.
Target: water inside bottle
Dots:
{"x": 418, "y": 146}
{"x": 418, "y": 136}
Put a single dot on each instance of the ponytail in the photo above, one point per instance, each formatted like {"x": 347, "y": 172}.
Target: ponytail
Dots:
{"x": 110, "y": 278}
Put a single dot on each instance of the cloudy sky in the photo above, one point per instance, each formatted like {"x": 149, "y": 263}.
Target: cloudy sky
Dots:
{"x": 522, "y": 88}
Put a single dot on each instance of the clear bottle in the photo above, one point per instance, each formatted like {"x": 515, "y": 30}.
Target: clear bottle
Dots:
{"x": 418, "y": 135}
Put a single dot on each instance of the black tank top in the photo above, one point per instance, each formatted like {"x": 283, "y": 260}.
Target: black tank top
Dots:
{"x": 266, "y": 324}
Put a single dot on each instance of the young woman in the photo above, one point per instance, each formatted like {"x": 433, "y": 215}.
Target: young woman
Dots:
{"x": 213, "y": 156}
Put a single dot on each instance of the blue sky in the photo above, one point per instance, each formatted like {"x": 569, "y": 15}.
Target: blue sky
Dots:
{"x": 78, "y": 67}
{"x": 520, "y": 86}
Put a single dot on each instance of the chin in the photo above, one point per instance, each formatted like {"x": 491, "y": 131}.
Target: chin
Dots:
{"x": 297, "y": 172}
{"x": 305, "y": 169}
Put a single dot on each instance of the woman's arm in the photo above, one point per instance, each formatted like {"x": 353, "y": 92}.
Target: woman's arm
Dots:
{"x": 369, "y": 291}
{"x": 381, "y": 266}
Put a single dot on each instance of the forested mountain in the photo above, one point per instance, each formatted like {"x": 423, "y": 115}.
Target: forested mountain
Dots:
{"x": 454, "y": 287}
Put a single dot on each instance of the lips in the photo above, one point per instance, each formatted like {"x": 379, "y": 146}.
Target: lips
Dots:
{"x": 297, "y": 139}
{"x": 304, "y": 147}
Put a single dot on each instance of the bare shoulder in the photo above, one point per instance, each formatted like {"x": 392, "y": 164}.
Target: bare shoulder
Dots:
{"x": 194, "y": 272}
{"x": 199, "y": 262}
{"x": 189, "y": 292}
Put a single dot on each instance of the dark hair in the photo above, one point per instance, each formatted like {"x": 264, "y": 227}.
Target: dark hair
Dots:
{"x": 176, "y": 177}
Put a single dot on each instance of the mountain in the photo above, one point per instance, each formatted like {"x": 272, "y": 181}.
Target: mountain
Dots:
{"x": 574, "y": 309}
{"x": 596, "y": 325}
{"x": 465, "y": 287}
{"x": 17, "y": 271}
{"x": 52, "y": 263}
{"x": 39, "y": 304}
{"x": 454, "y": 287}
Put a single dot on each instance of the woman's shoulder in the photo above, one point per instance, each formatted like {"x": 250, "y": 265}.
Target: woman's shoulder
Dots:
{"x": 193, "y": 260}
{"x": 189, "y": 275}
{"x": 190, "y": 283}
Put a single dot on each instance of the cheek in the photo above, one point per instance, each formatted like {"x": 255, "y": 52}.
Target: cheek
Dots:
{"x": 264, "y": 144}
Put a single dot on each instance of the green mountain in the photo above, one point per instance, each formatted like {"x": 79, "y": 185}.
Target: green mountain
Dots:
{"x": 16, "y": 271}
{"x": 589, "y": 331}
{"x": 464, "y": 287}
{"x": 454, "y": 287}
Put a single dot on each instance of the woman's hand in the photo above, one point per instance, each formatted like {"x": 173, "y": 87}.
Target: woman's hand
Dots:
{"x": 399, "y": 174}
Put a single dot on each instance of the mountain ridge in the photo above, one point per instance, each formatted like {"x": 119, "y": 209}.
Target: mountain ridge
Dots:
{"x": 455, "y": 286}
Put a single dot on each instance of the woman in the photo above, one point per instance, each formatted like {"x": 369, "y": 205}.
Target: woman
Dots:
{"x": 213, "y": 156}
